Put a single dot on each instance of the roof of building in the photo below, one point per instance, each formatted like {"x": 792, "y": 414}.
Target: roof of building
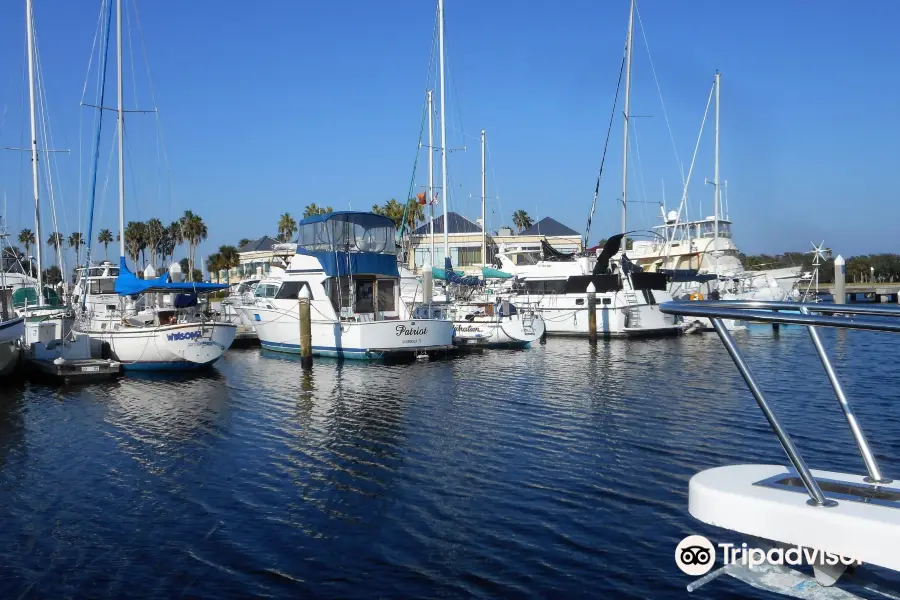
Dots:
{"x": 550, "y": 227}
{"x": 458, "y": 224}
{"x": 262, "y": 244}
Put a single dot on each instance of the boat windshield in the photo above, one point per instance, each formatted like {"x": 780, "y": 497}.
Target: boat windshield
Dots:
{"x": 348, "y": 232}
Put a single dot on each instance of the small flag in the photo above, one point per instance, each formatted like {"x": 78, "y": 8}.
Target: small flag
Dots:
{"x": 434, "y": 199}
{"x": 420, "y": 198}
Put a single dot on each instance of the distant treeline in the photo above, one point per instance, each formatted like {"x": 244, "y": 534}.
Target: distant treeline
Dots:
{"x": 859, "y": 268}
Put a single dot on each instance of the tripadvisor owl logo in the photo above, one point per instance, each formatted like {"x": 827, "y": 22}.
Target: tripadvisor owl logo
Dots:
{"x": 695, "y": 555}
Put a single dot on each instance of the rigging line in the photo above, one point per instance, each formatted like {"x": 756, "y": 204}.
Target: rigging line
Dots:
{"x": 131, "y": 52}
{"x": 97, "y": 31}
{"x": 487, "y": 148}
{"x": 683, "y": 203}
{"x": 412, "y": 179}
{"x": 47, "y": 139}
{"x": 98, "y": 124}
{"x": 659, "y": 91}
{"x": 639, "y": 167}
{"x": 612, "y": 116}
{"x": 159, "y": 130}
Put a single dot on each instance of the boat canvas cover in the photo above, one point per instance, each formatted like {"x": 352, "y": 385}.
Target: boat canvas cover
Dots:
{"x": 489, "y": 273}
{"x": 350, "y": 242}
{"x": 128, "y": 284}
{"x": 338, "y": 264}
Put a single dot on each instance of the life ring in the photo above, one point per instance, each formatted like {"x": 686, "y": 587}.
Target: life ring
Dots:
{"x": 696, "y": 296}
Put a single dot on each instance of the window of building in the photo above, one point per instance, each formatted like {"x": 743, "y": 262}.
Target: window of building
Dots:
{"x": 468, "y": 256}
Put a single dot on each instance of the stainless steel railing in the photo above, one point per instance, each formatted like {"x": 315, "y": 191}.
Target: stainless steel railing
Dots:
{"x": 879, "y": 318}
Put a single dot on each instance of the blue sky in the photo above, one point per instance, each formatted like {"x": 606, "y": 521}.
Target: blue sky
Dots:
{"x": 267, "y": 108}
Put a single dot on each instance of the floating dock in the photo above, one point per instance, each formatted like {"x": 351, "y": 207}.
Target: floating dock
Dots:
{"x": 79, "y": 369}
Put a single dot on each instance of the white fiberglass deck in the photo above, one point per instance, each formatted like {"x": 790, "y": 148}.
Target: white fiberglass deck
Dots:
{"x": 729, "y": 497}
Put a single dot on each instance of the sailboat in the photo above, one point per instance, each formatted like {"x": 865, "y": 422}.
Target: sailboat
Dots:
{"x": 479, "y": 319}
{"x": 154, "y": 323}
{"x": 627, "y": 298}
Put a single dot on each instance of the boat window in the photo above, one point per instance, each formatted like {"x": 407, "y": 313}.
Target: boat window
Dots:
{"x": 365, "y": 296}
{"x": 340, "y": 294}
{"x": 103, "y": 286}
{"x": 607, "y": 300}
{"x": 386, "y": 295}
{"x": 353, "y": 232}
{"x": 546, "y": 286}
{"x": 290, "y": 290}
{"x": 266, "y": 290}
{"x": 528, "y": 258}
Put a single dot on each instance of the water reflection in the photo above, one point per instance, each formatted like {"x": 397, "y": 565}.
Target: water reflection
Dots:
{"x": 541, "y": 472}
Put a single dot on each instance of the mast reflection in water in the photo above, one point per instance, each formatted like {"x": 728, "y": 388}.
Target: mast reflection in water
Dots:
{"x": 556, "y": 471}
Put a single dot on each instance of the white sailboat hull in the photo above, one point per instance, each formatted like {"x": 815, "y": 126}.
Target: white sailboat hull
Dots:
{"x": 279, "y": 330}
{"x": 169, "y": 347}
{"x": 514, "y": 331}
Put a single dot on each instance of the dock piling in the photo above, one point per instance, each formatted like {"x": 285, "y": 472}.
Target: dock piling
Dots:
{"x": 840, "y": 274}
{"x": 305, "y": 328}
{"x": 592, "y": 312}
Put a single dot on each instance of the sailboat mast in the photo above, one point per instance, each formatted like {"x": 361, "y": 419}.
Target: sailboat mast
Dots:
{"x": 443, "y": 132}
{"x": 121, "y": 128}
{"x": 483, "y": 197}
{"x": 625, "y": 128}
{"x": 716, "y": 184}
{"x": 431, "y": 171}
{"x": 29, "y": 20}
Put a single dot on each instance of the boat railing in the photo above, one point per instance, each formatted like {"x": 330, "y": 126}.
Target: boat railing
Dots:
{"x": 812, "y": 316}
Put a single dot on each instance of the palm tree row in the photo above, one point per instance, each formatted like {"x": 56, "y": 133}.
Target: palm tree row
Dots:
{"x": 225, "y": 259}
{"x": 143, "y": 238}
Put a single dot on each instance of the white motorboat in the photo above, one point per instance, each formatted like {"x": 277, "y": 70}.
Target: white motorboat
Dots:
{"x": 230, "y": 310}
{"x": 830, "y": 521}
{"x": 348, "y": 262}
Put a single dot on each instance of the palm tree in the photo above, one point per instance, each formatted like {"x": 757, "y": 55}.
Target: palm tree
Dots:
{"x": 105, "y": 237}
{"x": 135, "y": 240}
{"x": 76, "y": 240}
{"x": 193, "y": 231}
{"x": 214, "y": 265}
{"x": 414, "y": 213}
{"x": 230, "y": 259}
{"x": 313, "y": 210}
{"x": 243, "y": 242}
{"x": 392, "y": 210}
{"x": 287, "y": 226}
{"x": 176, "y": 236}
{"x": 55, "y": 240}
{"x": 521, "y": 220}
{"x": 26, "y": 238}
{"x": 155, "y": 232}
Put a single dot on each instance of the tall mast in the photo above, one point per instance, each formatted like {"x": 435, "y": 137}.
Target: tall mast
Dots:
{"x": 625, "y": 128}
{"x": 483, "y": 196}
{"x": 29, "y": 18}
{"x": 443, "y": 132}
{"x": 121, "y": 126}
{"x": 431, "y": 170}
{"x": 716, "y": 184}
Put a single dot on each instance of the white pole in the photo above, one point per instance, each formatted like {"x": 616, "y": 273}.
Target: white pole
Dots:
{"x": 121, "y": 127}
{"x": 38, "y": 241}
{"x": 443, "y": 132}
{"x": 431, "y": 169}
{"x": 483, "y": 198}
{"x": 716, "y": 186}
{"x": 625, "y": 128}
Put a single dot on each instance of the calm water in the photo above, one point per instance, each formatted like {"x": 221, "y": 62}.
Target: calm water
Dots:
{"x": 558, "y": 471}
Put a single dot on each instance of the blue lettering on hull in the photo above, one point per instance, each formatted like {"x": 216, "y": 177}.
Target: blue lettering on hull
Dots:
{"x": 184, "y": 335}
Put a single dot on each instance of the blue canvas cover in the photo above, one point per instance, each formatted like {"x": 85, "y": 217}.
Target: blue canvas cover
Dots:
{"x": 128, "y": 284}
{"x": 338, "y": 264}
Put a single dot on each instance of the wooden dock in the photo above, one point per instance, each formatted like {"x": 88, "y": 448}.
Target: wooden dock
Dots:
{"x": 74, "y": 370}
{"x": 867, "y": 292}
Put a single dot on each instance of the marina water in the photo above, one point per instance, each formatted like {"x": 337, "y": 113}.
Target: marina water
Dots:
{"x": 557, "y": 471}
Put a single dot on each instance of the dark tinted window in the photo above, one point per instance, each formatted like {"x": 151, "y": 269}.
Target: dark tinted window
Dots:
{"x": 290, "y": 290}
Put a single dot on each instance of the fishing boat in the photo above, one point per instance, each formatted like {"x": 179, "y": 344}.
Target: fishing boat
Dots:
{"x": 154, "y": 322}
{"x": 838, "y": 523}
{"x": 348, "y": 262}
